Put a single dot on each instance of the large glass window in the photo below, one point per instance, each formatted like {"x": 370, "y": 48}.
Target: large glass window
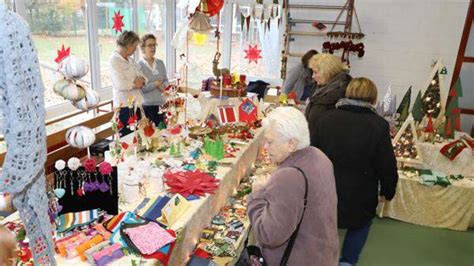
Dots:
{"x": 200, "y": 50}
{"x": 151, "y": 19}
{"x": 53, "y": 25}
{"x": 106, "y": 10}
{"x": 257, "y": 33}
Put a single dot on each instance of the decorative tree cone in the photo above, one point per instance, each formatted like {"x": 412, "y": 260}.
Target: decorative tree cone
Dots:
{"x": 431, "y": 100}
{"x": 405, "y": 146}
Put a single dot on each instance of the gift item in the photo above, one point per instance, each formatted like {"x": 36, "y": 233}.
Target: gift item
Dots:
{"x": 227, "y": 114}
{"x": 69, "y": 221}
{"x": 82, "y": 248}
{"x": 108, "y": 255}
{"x": 152, "y": 211}
{"x": 173, "y": 210}
{"x": 90, "y": 252}
{"x": 248, "y": 111}
{"x": 189, "y": 183}
{"x": 453, "y": 149}
{"x": 149, "y": 238}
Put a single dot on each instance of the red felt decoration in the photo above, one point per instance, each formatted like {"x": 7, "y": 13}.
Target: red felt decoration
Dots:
{"x": 429, "y": 126}
{"x": 148, "y": 130}
{"x": 124, "y": 145}
{"x": 63, "y": 53}
{"x": 189, "y": 183}
{"x": 247, "y": 111}
{"x": 253, "y": 54}
{"x": 453, "y": 149}
{"x": 118, "y": 22}
{"x": 211, "y": 7}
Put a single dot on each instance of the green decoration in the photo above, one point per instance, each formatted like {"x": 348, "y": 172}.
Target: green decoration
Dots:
{"x": 161, "y": 125}
{"x": 444, "y": 71}
{"x": 172, "y": 150}
{"x": 404, "y": 106}
{"x": 431, "y": 100}
{"x": 441, "y": 129}
{"x": 417, "y": 110}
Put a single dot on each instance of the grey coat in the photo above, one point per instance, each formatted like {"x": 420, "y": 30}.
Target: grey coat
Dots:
{"x": 151, "y": 95}
{"x": 297, "y": 79}
{"x": 275, "y": 210}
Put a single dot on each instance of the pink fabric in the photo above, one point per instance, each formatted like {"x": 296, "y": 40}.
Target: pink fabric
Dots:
{"x": 149, "y": 238}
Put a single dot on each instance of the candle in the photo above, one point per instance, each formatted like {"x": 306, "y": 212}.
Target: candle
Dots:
{"x": 220, "y": 91}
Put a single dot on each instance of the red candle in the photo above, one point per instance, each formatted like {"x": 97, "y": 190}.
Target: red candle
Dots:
{"x": 227, "y": 80}
{"x": 242, "y": 79}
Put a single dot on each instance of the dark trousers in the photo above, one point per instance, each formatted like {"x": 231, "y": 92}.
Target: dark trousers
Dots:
{"x": 354, "y": 243}
{"x": 124, "y": 115}
{"x": 151, "y": 112}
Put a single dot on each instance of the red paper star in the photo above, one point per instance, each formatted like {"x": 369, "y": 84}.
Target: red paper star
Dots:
{"x": 63, "y": 53}
{"x": 253, "y": 54}
{"x": 118, "y": 23}
{"x": 189, "y": 183}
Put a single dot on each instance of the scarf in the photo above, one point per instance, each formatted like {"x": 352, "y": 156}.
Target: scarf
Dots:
{"x": 352, "y": 102}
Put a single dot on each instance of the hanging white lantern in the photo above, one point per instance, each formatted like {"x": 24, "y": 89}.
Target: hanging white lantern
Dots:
{"x": 69, "y": 90}
{"x": 73, "y": 67}
{"x": 91, "y": 99}
{"x": 80, "y": 137}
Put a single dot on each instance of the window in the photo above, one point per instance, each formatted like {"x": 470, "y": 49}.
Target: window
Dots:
{"x": 200, "y": 55}
{"x": 266, "y": 39}
{"x": 52, "y": 25}
{"x": 151, "y": 19}
{"x": 106, "y": 10}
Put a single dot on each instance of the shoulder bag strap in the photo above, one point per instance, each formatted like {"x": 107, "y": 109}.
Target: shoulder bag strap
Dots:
{"x": 291, "y": 241}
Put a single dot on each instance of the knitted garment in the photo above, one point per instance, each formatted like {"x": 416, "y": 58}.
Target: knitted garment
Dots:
{"x": 22, "y": 106}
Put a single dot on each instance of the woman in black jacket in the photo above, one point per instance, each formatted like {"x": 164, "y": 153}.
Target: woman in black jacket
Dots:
{"x": 332, "y": 78}
{"x": 358, "y": 143}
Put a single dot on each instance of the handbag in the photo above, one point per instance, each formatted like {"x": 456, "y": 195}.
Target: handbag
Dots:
{"x": 252, "y": 255}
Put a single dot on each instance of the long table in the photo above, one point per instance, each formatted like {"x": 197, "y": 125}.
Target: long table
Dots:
{"x": 449, "y": 207}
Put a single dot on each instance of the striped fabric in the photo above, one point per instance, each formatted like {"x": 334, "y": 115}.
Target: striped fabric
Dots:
{"x": 69, "y": 221}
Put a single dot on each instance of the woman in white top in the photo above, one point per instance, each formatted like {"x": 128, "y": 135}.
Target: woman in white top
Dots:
{"x": 127, "y": 79}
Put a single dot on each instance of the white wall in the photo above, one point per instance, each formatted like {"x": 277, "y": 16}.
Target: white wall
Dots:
{"x": 403, "y": 38}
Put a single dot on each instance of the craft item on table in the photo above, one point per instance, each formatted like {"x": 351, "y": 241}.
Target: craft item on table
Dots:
{"x": 90, "y": 252}
{"x": 211, "y": 7}
{"x": 90, "y": 100}
{"x": 173, "y": 210}
{"x": 149, "y": 238}
{"x": 67, "y": 247}
{"x": 173, "y": 163}
{"x": 430, "y": 178}
{"x": 248, "y": 111}
{"x": 60, "y": 178}
{"x": 24, "y": 257}
{"x": 108, "y": 255}
{"x": 69, "y": 90}
{"x": 82, "y": 248}
{"x": 191, "y": 183}
{"x": 80, "y": 137}
{"x": 214, "y": 148}
{"x": 69, "y": 221}
{"x": 453, "y": 149}
{"x": 227, "y": 114}
{"x": 199, "y": 261}
{"x": 208, "y": 234}
{"x": 152, "y": 211}
{"x": 105, "y": 170}
{"x": 73, "y": 67}
{"x": 128, "y": 219}
{"x": 131, "y": 188}
{"x": 99, "y": 228}
{"x": 231, "y": 91}
{"x": 164, "y": 253}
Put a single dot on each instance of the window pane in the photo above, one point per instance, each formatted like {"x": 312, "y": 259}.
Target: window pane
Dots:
{"x": 52, "y": 25}
{"x": 151, "y": 19}
{"x": 106, "y": 10}
{"x": 266, "y": 39}
{"x": 201, "y": 49}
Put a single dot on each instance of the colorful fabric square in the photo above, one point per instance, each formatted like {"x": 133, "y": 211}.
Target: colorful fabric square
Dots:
{"x": 111, "y": 224}
{"x": 108, "y": 255}
{"x": 81, "y": 249}
{"x": 69, "y": 221}
{"x": 90, "y": 252}
{"x": 128, "y": 218}
{"x": 164, "y": 254}
{"x": 152, "y": 211}
{"x": 149, "y": 238}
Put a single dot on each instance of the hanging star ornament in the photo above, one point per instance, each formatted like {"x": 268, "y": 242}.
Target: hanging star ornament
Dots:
{"x": 118, "y": 22}
{"x": 253, "y": 54}
{"x": 199, "y": 38}
{"x": 63, "y": 53}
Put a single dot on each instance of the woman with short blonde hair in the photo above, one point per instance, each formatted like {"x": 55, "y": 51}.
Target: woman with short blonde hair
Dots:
{"x": 332, "y": 78}
{"x": 357, "y": 140}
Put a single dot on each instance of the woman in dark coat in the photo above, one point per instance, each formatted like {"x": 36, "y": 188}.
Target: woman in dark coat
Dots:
{"x": 332, "y": 78}
{"x": 357, "y": 141}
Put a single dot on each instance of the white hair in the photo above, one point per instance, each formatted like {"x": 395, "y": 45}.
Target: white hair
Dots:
{"x": 289, "y": 123}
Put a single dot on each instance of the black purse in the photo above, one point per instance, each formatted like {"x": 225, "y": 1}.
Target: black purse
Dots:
{"x": 252, "y": 255}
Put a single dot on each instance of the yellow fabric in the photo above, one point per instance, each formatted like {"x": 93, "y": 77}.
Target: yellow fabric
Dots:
{"x": 451, "y": 207}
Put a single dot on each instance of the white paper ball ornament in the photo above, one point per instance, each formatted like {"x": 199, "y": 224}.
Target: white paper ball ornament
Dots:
{"x": 80, "y": 137}
{"x": 69, "y": 90}
{"x": 73, "y": 67}
{"x": 91, "y": 99}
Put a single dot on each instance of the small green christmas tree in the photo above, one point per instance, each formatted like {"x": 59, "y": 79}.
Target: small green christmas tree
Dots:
{"x": 404, "y": 106}
{"x": 417, "y": 110}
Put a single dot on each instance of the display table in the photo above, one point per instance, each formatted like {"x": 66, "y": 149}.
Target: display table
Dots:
{"x": 449, "y": 207}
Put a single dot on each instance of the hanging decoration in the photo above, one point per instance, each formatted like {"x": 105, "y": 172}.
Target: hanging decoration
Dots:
{"x": 63, "y": 53}
{"x": 73, "y": 67}
{"x": 90, "y": 100}
{"x": 253, "y": 54}
{"x": 199, "y": 38}
{"x": 69, "y": 90}
{"x": 431, "y": 100}
{"x": 200, "y": 23}
{"x": 118, "y": 22}
{"x": 211, "y": 7}
{"x": 80, "y": 137}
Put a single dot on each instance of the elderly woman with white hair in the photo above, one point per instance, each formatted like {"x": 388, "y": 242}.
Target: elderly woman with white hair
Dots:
{"x": 277, "y": 206}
